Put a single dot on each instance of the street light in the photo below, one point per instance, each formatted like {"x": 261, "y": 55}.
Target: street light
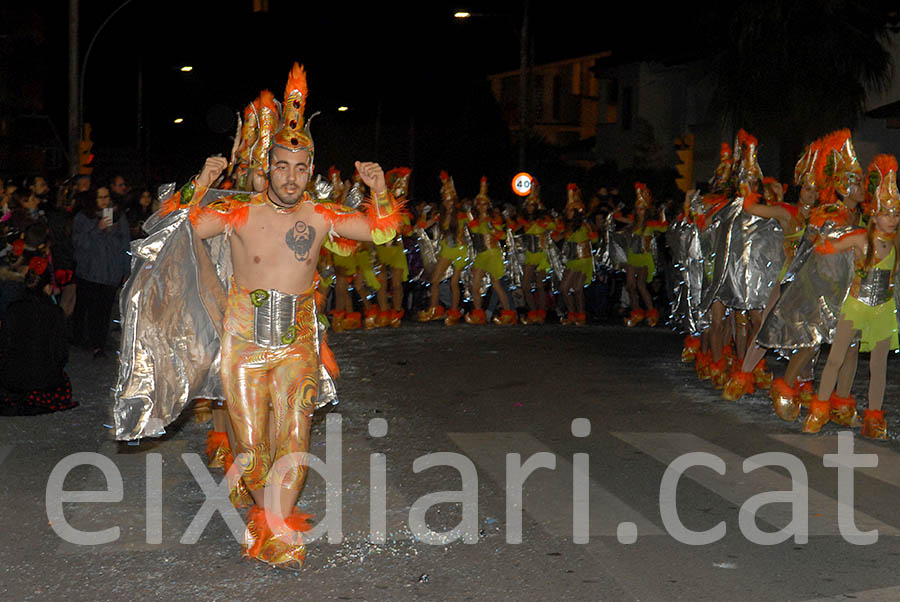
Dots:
{"x": 179, "y": 120}
{"x": 343, "y": 109}
{"x": 187, "y": 68}
{"x": 461, "y": 15}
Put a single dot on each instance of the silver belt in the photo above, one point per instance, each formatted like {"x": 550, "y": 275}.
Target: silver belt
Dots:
{"x": 274, "y": 318}
{"x": 532, "y": 242}
{"x": 875, "y": 288}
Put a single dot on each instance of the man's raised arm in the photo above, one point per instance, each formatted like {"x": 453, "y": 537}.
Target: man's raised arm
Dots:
{"x": 382, "y": 212}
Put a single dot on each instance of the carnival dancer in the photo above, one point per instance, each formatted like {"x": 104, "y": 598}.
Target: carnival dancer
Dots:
{"x": 366, "y": 282}
{"x": 640, "y": 267}
{"x": 269, "y": 352}
{"x": 347, "y": 268}
{"x": 452, "y": 254}
{"x": 792, "y": 219}
{"x": 747, "y": 258}
{"x": 486, "y": 231}
{"x": 869, "y": 310}
{"x": 702, "y": 215}
{"x": 536, "y": 225}
{"x": 392, "y": 256}
{"x": 805, "y": 315}
{"x": 579, "y": 270}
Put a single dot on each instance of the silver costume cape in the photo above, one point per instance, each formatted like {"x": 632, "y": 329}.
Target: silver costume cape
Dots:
{"x": 748, "y": 255}
{"x": 683, "y": 238}
{"x": 610, "y": 252}
{"x": 172, "y": 310}
{"x": 808, "y": 309}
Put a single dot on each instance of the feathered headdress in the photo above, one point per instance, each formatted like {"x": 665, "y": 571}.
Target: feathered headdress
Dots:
{"x": 723, "y": 172}
{"x": 337, "y": 185}
{"x": 642, "y": 197}
{"x": 249, "y": 134}
{"x": 534, "y": 196}
{"x": 837, "y": 167}
{"x": 881, "y": 185}
{"x": 294, "y": 134}
{"x": 448, "y": 190}
{"x": 482, "y": 191}
{"x": 745, "y": 148}
{"x": 805, "y": 170}
{"x": 397, "y": 181}
{"x": 574, "y": 200}
{"x": 268, "y": 115}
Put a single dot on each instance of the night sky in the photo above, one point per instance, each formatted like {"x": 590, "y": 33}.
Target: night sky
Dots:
{"x": 409, "y": 63}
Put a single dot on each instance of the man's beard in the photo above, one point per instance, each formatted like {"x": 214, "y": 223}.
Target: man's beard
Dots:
{"x": 278, "y": 200}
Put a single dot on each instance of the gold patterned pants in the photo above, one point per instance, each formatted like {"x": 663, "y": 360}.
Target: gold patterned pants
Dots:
{"x": 256, "y": 377}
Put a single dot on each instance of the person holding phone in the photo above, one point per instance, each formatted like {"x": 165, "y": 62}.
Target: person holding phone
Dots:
{"x": 101, "y": 238}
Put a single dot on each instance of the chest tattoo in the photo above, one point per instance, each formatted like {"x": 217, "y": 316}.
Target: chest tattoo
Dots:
{"x": 300, "y": 239}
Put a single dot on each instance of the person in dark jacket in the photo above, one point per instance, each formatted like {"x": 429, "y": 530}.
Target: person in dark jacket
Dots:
{"x": 101, "y": 238}
{"x": 34, "y": 350}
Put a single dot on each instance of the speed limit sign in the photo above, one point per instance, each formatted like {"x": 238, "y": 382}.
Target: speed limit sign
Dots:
{"x": 522, "y": 183}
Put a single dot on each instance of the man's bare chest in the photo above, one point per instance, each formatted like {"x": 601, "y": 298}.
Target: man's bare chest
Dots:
{"x": 274, "y": 237}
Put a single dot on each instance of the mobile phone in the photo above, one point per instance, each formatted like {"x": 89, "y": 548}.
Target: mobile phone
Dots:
{"x": 108, "y": 213}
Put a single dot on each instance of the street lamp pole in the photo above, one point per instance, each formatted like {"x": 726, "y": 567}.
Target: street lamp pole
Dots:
{"x": 524, "y": 104}
{"x": 84, "y": 61}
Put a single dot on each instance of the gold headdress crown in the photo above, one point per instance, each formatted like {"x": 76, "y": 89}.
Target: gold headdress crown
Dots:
{"x": 249, "y": 134}
{"x": 398, "y": 181}
{"x": 745, "y": 148}
{"x": 482, "y": 191}
{"x": 642, "y": 197}
{"x": 448, "y": 190}
{"x": 723, "y": 171}
{"x": 881, "y": 185}
{"x": 805, "y": 170}
{"x": 267, "y": 116}
{"x": 837, "y": 167}
{"x": 294, "y": 134}
{"x": 337, "y": 185}
{"x": 574, "y": 198}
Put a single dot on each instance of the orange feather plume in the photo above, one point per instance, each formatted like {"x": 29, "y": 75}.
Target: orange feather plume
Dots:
{"x": 267, "y": 100}
{"x": 296, "y": 80}
{"x": 885, "y": 163}
{"x": 746, "y": 139}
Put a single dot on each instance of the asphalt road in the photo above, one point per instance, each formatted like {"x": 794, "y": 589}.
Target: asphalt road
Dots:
{"x": 474, "y": 395}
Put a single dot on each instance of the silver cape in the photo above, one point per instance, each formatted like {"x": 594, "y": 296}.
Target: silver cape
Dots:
{"x": 808, "y": 309}
{"x": 748, "y": 255}
{"x": 683, "y": 238}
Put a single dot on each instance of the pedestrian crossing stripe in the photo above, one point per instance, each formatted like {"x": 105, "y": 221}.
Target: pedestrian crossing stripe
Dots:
{"x": 737, "y": 486}
{"x": 887, "y": 471}
{"x": 886, "y": 594}
{"x": 547, "y": 494}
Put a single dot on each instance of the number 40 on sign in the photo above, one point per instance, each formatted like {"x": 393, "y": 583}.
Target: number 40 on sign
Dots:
{"x": 522, "y": 183}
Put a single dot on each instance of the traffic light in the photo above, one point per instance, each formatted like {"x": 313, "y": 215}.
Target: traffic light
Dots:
{"x": 684, "y": 148}
{"x": 85, "y": 156}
